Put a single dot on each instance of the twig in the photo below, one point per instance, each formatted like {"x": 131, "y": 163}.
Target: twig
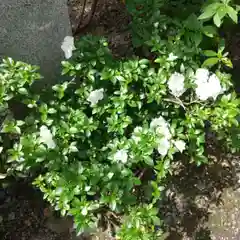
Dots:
{"x": 142, "y": 173}
{"x": 91, "y": 14}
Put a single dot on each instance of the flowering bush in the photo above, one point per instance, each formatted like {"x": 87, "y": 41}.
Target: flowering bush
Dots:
{"x": 102, "y": 144}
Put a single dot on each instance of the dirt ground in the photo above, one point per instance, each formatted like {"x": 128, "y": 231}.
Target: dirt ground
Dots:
{"x": 110, "y": 20}
{"x": 199, "y": 202}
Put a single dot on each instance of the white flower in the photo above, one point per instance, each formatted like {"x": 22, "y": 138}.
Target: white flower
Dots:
{"x": 161, "y": 127}
{"x": 172, "y": 57}
{"x": 163, "y": 146}
{"x": 180, "y": 145}
{"x": 176, "y": 84}
{"x": 215, "y": 86}
{"x": 207, "y": 87}
{"x": 46, "y": 137}
{"x": 121, "y": 156}
{"x": 136, "y": 132}
{"x": 164, "y": 132}
{"x": 59, "y": 191}
{"x": 68, "y": 46}
{"x": 95, "y": 96}
{"x": 201, "y": 75}
{"x": 156, "y": 122}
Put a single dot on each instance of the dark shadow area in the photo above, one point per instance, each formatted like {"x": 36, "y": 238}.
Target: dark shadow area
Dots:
{"x": 23, "y": 213}
{"x": 232, "y": 36}
{"x": 193, "y": 193}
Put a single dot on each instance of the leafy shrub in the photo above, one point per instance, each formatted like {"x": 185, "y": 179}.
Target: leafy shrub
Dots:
{"x": 15, "y": 79}
{"x": 103, "y": 143}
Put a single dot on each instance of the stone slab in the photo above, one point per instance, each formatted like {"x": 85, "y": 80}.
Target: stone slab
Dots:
{"x": 32, "y": 31}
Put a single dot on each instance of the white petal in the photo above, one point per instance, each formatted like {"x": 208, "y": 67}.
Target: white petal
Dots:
{"x": 156, "y": 122}
{"x": 68, "y": 46}
{"x": 84, "y": 211}
{"x": 135, "y": 135}
{"x": 121, "y": 156}
{"x": 202, "y": 75}
{"x": 95, "y": 96}
{"x": 137, "y": 129}
{"x": 215, "y": 86}
{"x": 161, "y": 126}
{"x": 163, "y": 131}
{"x": 46, "y": 137}
{"x": 207, "y": 87}
{"x": 163, "y": 146}
{"x": 172, "y": 57}
{"x": 176, "y": 84}
{"x": 180, "y": 145}
{"x": 202, "y": 91}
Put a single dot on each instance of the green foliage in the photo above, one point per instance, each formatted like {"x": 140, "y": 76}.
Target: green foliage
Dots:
{"x": 218, "y": 10}
{"x": 15, "y": 80}
{"x": 102, "y": 143}
{"x": 217, "y": 57}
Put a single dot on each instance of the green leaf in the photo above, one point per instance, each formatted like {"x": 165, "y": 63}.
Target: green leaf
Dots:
{"x": 227, "y": 62}
{"x": 210, "y": 31}
{"x": 210, "y": 62}
{"x": 73, "y": 130}
{"x": 209, "y": 53}
{"x": 209, "y": 11}
{"x": 217, "y": 20}
{"x": 23, "y": 91}
{"x": 197, "y": 38}
{"x": 232, "y": 14}
{"x": 221, "y": 46}
{"x": 238, "y": 8}
{"x": 52, "y": 110}
{"x": 192, "y": 23}
{"x": 222, "y": 11}
{"x": 3, "y": 175}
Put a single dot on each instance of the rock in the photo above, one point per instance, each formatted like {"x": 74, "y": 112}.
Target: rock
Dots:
{"x": 32, "y": 31}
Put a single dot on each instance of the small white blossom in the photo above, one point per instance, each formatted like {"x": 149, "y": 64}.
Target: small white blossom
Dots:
{"x": 180, "y": 145}
{"x": 176, "y": 84}
{"x": 161, "y": 127}
{"x": 207, "y": 87}
{"x": 95, "y": 96}
{"x": 46, "y": 137}
{"x": 156, "y": 122}
{"x": 68, "y": 46}
{"x": 59, "y": 191}
{"x": 121, "y": 156}
{"x": 136, "y": 132}
{"x": 172, "y": 57}
{"x": 215, "y": 86}
{"x": 164, "y": 132}
{"x": 202, "y": 75}
{"x": 163, "y": 146}
{"x": 84, "y": 211}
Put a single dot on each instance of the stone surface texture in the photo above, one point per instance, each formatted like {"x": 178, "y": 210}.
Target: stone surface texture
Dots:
{"x": 32, "y": 31}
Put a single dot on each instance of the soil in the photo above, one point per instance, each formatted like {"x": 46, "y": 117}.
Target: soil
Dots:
{"x": 110, "y": 20}
{"x": 22, "y": 214}
{"x": 203, "y": 202}
{"x": 198, "y": 203}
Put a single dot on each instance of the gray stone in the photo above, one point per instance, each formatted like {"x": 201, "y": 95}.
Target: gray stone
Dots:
{"x": 32, "y": 31}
